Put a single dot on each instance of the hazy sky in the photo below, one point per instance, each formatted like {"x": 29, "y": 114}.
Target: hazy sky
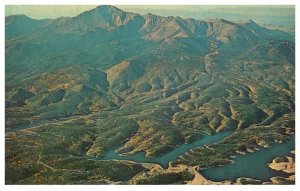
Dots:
{"x": 276, "y": 15}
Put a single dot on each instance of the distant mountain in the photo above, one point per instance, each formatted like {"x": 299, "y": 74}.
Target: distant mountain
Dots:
{"x": 110, "y": 26}
{"x": 109, "y": 18}
{"x": 21, "y": 25}
{"x": 109, "y": 78}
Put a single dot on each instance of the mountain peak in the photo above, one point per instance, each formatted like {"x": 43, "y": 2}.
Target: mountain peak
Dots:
{"x": 20, "y": 17}
{"x": 103, "y": 11}
{"x": 150, "y": 15}
{"x": 251, "y": 21}
{"x": 247, "y": 22}
{"x": 107, "y": 8}
{"x": 219, "y": 21}
{"x": 103, "y": 16}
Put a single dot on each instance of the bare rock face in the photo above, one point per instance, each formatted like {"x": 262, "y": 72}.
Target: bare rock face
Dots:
{"x": 286, "y": 164}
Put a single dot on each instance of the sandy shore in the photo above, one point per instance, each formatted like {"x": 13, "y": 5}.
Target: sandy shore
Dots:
{"x": 198, "y": 179}
{"x": 288, "y": 167}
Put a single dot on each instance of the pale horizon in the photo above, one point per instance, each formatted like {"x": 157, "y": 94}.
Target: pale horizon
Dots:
{"x": 284, "y": 14}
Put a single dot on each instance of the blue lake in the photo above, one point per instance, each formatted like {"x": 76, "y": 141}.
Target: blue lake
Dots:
{"x": 171, "y": 156}
{"x": 252, "y": 165}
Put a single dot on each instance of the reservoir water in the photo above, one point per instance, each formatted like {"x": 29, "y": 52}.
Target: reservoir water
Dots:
{"x": 252, "y": 165}
{"x": 171, "y": 156}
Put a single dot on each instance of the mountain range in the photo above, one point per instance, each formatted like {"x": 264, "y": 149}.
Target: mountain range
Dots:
{"x": 143, "y": 83}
